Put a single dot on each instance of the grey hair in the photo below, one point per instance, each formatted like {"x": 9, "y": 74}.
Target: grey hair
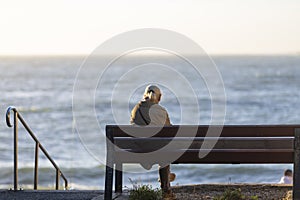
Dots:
{"x": 152, "y": 92}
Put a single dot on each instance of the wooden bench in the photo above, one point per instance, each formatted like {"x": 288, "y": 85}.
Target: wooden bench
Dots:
{"x": 237, "y": 144}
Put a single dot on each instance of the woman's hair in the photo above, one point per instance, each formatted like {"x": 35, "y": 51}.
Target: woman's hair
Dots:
{"x": 152, "y": 92}
{"x": 152, "y": 96}
{"x": 288, "y": 172}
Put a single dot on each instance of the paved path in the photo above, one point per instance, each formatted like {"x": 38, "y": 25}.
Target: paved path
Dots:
{"x": 56, "y": 195}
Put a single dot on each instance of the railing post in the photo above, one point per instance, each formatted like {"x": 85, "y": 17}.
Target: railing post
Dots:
{"x": 37, "y": 145}
{"x": 66, "y": 184}
{"x": 57, "y": 179}
{"x": 296, "y": 181}
{"x": 15, "y": 150}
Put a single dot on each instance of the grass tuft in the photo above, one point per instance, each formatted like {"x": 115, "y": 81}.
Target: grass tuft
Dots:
{"x": 144, "y": 192}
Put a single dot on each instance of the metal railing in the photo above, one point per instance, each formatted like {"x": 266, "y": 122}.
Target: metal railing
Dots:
{"x": 38, "y": 145}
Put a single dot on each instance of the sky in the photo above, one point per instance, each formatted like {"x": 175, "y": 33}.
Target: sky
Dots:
{"x": 41, "y": 27}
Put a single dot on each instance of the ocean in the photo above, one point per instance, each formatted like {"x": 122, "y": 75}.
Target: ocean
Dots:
{"x": 259, "y": 90}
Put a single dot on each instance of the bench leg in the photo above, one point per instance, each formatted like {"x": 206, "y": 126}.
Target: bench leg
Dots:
{"x": 296, "y": 178}
{"x": 119, "y": 178}
{"x": 108, "y": 183}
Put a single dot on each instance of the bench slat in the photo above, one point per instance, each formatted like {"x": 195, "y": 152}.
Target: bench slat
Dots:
{"x": 189, "y": 130}
{"x": 151, "y": 144}
{"x": 214, "y": 157}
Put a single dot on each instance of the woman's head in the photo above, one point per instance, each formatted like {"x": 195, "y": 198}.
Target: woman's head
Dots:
{"x": 288, "y": 172}
{"x": 152, "y": 92}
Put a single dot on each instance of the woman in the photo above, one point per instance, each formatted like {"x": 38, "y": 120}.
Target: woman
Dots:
{"x": 149, "y": 112}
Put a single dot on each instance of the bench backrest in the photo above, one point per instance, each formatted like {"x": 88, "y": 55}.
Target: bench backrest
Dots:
{"x": 182, "y": 144}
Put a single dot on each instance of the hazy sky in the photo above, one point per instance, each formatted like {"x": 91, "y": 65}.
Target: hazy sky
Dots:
{"x": 219, "y": 26}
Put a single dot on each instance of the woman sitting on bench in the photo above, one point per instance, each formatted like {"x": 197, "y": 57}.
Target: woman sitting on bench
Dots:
{"x": 149, "y": 112}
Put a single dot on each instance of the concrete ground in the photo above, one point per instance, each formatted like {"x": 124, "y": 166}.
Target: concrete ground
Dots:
{"x": 56, "y": 195}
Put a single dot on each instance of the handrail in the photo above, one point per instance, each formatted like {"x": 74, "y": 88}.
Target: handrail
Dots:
{"x": 18, "y": 116}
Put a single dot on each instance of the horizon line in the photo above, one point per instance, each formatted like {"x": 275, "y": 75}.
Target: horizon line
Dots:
{"x": 211, "y": 54}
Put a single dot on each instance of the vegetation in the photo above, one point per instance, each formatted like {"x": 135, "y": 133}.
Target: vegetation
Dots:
{"x": 144, "y": 192}
{"x": 235, "y": 194}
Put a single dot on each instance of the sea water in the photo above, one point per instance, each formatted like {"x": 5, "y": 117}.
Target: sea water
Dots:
{"x": 259, "y": 90}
